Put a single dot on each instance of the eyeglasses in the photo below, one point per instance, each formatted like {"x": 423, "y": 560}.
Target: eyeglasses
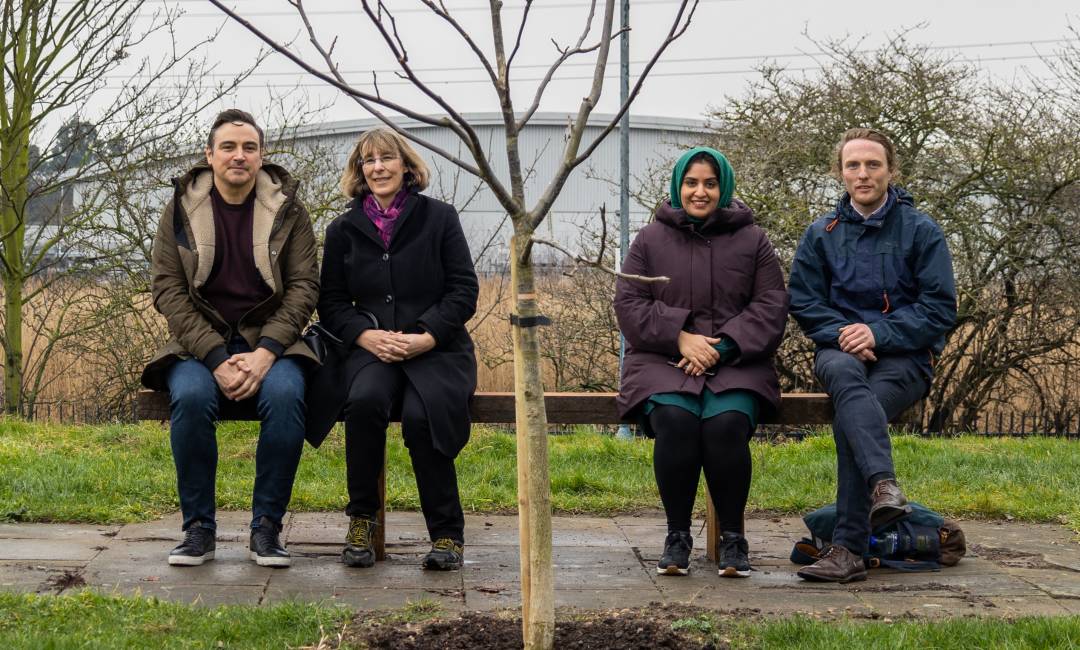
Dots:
{"x": 384, "y": 160}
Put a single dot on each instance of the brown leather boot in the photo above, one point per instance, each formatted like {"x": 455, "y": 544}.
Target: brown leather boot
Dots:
{"x": 837, "y": 564}
{"x": 889, "y": 503}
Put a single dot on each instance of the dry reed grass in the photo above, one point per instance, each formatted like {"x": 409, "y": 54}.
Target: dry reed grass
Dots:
{"x": 82, "y": 371}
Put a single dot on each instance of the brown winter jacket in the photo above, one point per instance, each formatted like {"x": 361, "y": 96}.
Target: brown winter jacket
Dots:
{"x": 183, "y": 257}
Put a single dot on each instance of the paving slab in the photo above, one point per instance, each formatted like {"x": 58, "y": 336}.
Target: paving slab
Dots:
{"x": 1029, "y": 605}
{"x": 78, "y": 532}
{"x": 29, "y": 577}
{"x": 599, "y": 562}
{"x": 1057, "y": 583}
{"x": 927, "y": 606}
{"x": 62, "y": 549}
{"x": 231, "y": 526}
{"x": 402, "y": 572}
{"x": 835, "y": 603}
{"x": 146, "y": 563}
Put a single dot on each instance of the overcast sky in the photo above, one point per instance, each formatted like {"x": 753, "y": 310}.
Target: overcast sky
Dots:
{"x": 713, "y": 60}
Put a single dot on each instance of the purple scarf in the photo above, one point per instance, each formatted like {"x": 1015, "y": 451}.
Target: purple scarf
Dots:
{"x": 384, "y": 220}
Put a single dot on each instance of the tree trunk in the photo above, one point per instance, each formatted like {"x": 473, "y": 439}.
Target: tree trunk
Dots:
{"x": 12, "y": 344}
{"x": 14, "y": 166}
{"x": 534, "y": 485}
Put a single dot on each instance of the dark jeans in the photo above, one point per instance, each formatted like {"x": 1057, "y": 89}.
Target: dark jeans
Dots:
{"x": 866, "y": 396}
{"x": 194, "y": 397}
{"x": 376, "y": 393}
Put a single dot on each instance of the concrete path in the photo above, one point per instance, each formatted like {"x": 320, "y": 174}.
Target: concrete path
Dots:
{"x": 1013, "y": 569}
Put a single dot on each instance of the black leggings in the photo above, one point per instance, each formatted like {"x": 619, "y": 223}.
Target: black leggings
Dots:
{"x": 686, "y": 444}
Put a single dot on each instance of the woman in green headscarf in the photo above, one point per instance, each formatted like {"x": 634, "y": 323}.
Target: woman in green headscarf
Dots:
{"x": 698, "y": 368}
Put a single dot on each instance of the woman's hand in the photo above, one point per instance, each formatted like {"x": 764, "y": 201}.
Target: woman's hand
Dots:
{"x": 388, "y": 347}
{"x": 417, "y": 344}
{"x": 698, "y": 352}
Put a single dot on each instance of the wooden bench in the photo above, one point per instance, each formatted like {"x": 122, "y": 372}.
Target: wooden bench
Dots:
{"x": 796, "y": 409}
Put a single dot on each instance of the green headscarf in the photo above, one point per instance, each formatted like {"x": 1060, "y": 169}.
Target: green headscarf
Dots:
{"x": 727, "y": 176}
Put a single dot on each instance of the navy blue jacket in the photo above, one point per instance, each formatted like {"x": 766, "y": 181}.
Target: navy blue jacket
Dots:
{"x": 893, "y": 272}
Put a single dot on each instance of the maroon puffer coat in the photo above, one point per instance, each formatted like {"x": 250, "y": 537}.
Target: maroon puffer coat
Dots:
{"x": 725, "y": 281}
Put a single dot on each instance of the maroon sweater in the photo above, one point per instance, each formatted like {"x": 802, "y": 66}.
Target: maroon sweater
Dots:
{"x": 234, "y": 285}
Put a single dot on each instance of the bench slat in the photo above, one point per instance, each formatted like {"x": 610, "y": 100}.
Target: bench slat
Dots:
{"x": 562, "y": 408}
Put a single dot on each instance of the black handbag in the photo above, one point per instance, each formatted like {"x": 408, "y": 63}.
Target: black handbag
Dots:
{"x": 326, "y": 387}
{"x": 321, "y": 341}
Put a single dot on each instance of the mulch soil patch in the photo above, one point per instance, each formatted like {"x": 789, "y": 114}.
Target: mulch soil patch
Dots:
{"x": 629, "y": 629}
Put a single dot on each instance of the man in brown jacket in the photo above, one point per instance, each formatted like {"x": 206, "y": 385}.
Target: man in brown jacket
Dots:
{"x": 235, "y": 275}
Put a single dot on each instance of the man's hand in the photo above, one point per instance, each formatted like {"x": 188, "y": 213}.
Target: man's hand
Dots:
{"x": 229, "y": 378}
{"x": 698, "y": 352}
{"x": 866, "y": 356}
{"x": 388, "y": 347}
{"x": 254, "y": 365}
{"x": 417, "y": 344}
{"x": 856, "y": 338}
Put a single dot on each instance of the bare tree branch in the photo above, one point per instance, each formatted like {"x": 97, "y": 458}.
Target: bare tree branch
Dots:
{"x": 581, "y": 260}
{"x": 564, "y": 54}
{"x": 521, "y": 31}
{"x": 571, "y": 157}
{"x": 441, "y": 11}
{"x": 366, "y": 100}
{"x": 675, "y": 32}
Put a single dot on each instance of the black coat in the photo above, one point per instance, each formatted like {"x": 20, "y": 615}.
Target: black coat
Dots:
{"x": 424, "y": 282}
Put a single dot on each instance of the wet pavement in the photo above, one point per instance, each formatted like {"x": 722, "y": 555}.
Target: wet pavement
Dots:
{"x": 1012, "y": 569}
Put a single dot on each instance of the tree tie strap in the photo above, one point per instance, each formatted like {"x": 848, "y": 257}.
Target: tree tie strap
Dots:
{"x": 529, "y": 321}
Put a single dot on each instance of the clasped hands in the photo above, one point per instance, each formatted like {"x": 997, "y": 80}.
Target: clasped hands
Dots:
{"x": 858, "y": 340}
{"x": 697, "y": 352}
{"x": 392, "y": 347}
{"x": 241, "y": 375}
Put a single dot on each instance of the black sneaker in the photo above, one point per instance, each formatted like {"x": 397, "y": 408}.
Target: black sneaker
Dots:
{"x": 265, "y": 546}
{"x": 197, "y": 547}
{"x": 676, "y": 558}
{"x": 445, "y": 555}
{"x": 734, "y": 562}
{"x": 359, "y": 549}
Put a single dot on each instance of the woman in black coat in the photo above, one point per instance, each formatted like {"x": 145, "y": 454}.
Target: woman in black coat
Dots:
{"x": 398, "y": 286}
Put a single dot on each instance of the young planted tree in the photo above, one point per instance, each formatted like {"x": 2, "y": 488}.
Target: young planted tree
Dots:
{"x": 58, "y": 58}
{"x": 496, "y": 59}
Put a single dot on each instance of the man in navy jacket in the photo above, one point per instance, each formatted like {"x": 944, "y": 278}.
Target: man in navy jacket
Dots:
{"x": 872, "y": 286}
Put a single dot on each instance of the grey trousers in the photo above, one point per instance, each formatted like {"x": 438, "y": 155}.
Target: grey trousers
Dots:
{"x": 866, "y": 396}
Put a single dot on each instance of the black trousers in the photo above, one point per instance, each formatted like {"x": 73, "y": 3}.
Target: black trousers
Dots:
{"x": 379, "y": 391}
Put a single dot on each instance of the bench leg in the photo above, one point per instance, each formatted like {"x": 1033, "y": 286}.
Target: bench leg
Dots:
{"x": 712, "y": 528}
{"x": 380, "y": 518}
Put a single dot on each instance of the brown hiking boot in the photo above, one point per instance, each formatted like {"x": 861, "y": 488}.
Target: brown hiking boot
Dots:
{"x": 837, "y": 564}
{"x": 889, "y": 503}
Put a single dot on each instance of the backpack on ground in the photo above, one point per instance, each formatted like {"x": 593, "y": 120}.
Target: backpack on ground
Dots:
{"x": 921, "y": 541}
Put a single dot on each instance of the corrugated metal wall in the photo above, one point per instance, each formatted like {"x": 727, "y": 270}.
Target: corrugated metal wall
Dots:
{"x": 653, "y": 142}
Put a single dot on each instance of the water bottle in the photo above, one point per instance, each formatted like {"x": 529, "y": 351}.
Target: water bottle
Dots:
{"x": 884, "y": 545}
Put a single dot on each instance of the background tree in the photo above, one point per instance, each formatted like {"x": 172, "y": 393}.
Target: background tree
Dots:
{"x": 496, "y": 60}
{"x": 57, "y": 59}
{"x": 993, "y": 165}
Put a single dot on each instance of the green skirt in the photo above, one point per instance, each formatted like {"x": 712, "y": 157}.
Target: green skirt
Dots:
{"x": 709, "y": 403}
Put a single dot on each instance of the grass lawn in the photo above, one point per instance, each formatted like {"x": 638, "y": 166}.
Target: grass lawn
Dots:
{"x": 88, "y": 620}
{"x": 804, "y": 633}
{"x": 123, "y": 473}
